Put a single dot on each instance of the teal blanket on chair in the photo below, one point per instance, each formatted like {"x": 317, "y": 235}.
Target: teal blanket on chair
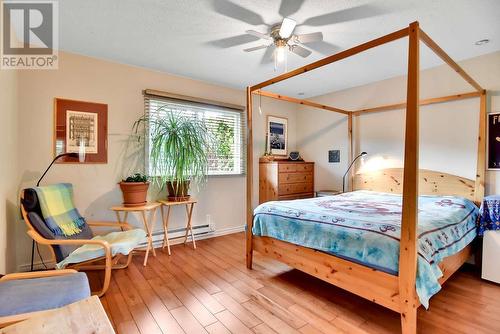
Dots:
{"x": 58, "y": 210}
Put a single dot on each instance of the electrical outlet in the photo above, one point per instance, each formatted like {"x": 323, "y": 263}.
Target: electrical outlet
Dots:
{"x": 334, "y": 156}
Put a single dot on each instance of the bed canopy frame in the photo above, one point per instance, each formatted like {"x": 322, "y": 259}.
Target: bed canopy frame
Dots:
{"x": 394, "y": 292}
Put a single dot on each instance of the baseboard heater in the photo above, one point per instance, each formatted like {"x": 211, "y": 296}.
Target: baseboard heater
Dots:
{"x": 175, "y": 235}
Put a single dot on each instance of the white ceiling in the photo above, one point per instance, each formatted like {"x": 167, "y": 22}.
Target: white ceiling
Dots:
{"x": 192, "y": 38}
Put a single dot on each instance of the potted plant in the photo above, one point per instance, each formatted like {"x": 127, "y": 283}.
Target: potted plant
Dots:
{"x": 179, "y": 148}
{"x": 134, "y": 189}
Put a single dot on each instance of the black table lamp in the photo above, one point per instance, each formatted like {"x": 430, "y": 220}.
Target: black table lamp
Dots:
{"x": 347, "y": 171}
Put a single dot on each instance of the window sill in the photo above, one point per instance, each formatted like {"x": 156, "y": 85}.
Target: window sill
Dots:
{"x": 216, "y": 176}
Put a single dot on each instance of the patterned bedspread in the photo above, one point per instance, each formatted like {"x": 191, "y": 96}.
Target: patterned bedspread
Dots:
{"x": 364, "y": 227}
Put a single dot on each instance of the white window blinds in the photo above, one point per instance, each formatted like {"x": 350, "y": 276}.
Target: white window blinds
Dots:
{"x": 226, "y": 126}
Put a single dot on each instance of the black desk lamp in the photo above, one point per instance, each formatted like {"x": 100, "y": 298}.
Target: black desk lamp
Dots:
{"x": 347, "y": 171}
{"x": 72, "y": 155}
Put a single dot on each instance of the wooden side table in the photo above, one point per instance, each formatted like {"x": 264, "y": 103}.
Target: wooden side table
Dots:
{"x": 323, "y": 193}
{"x": 148, "y": 225}
{"x": 189, "y": 228}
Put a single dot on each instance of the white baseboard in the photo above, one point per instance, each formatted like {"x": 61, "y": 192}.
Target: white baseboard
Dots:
{"x": 157, "y": 243}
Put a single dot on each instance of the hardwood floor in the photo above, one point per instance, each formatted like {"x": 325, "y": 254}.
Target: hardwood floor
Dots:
{"x": 211, "y": 291}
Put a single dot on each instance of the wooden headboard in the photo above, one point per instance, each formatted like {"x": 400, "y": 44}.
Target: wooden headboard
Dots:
{"x": 431, "y": 182}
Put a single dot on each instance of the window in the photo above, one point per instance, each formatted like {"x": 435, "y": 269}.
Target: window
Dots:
{"x": 225, "y": 125}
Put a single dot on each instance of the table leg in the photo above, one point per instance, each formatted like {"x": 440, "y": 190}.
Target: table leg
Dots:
{"x": 152, "y": 217}
{"x": 149, "y": 236}
{"x": 189, "y": 227}
{"x": 165, "y": 228}
{"x": 119, "y": 218}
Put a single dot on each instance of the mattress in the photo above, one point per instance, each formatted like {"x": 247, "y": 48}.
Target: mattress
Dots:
{"x": 365, "y": 227}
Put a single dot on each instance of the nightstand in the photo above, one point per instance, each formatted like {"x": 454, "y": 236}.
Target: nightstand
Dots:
{"x": 489, "y": 226}
{"x": 323, "y": 193}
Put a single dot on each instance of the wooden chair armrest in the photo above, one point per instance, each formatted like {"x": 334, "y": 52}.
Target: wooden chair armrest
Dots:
{"x": 35, "y": 236}
{"x": 109, "y": 223}
{"x": 37, "y": 274}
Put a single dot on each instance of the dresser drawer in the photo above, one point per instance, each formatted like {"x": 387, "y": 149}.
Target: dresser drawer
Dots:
{"x": 295, "y": 177}
{"x": 298, "y": 167}
{"x": 304, "y": 167}
{"x": 295, "y": 196}
{"x": 285, "y": 168}
{"x": 295, "y": 188}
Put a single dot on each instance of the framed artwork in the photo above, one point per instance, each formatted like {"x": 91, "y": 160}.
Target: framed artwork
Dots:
{"x": 493, "y": 141}
{"x": 81, "y": 126}
{"x": 277, "y": 135}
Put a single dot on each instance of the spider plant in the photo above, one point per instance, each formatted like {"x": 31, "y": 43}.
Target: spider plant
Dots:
{"x": 179, "y": 148}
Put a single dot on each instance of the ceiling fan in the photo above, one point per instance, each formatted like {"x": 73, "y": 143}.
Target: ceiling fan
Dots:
{"x": 282, "y": 38}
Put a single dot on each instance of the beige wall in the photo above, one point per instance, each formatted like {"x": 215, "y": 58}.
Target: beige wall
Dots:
{"x": 120, "y": 86}
{"x": 447, "y": 137}
{"x": 270, "y": 107}
{"x": 8, "y": 168}
{"x": 448, "y": 130}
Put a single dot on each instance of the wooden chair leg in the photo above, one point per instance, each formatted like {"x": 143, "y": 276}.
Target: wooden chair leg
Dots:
{"x": 107, "y": 272}
{"x": 126, "y": 264}
{"x": 409, "y": 321}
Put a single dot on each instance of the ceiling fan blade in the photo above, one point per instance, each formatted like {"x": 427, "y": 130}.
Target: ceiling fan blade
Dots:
{"x": 227, "y": 8}
{"x": 299, "y": 50}
{"x": 344, "y": 15}
{"x": 233, "y": 41}
{"x": 323, "y": 47}
{"x": 290, "y": 7}
{"x": 267, "y": 57}
{"x": 255, "y": 48}
{"x": 287, "y": 27}
{"x": 258, "y": 34}
{"x": 308, "y": 38}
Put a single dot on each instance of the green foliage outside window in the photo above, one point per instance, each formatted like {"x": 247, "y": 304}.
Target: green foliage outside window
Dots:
{"x": 224, "y": 135}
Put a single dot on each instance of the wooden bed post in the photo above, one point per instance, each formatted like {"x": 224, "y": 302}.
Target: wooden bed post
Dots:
{"x": 481, "y": 151}
{"x": 408, "y": 244}
{"x": 350, "y": 148}
{"x": 249, "y": 208}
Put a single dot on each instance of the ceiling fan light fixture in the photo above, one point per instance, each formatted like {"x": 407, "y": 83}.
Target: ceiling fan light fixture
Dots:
{"x": 280, "y": 53}
{"x": 287, "y": 27}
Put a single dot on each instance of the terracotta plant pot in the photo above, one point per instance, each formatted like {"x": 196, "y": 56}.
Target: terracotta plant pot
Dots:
{"x": 178, "y": 192}
{"x": 134, "y": 193}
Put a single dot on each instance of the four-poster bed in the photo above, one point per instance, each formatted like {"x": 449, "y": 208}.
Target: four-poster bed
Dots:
{"x": 396, "y": 292}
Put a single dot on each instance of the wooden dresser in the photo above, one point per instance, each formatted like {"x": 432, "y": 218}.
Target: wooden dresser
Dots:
{"x": 284, "y": 179}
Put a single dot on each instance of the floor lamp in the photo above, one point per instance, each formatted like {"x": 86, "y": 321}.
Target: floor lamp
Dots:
{"x": 81, "y": 158}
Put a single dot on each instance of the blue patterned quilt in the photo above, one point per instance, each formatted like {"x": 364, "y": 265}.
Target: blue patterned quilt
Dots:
{"x": 364, "y": 227}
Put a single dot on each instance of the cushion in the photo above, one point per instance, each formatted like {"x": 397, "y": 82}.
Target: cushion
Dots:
{"x": 121, "y": 243}
{"x": 39, "y": 294}
{"x": 32, "y": 206}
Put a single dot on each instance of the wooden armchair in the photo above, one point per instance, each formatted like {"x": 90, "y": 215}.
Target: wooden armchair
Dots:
{"x": 62, "y": 247}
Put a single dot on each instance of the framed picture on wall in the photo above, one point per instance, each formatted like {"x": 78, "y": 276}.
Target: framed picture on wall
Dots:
{"x": 81, "y": 126}
{"x": 277, "y": 135}
{"x": 494, "y": 141}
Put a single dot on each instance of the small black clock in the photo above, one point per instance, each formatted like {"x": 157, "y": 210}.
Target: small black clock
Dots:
{"x": 295, "y": 155}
